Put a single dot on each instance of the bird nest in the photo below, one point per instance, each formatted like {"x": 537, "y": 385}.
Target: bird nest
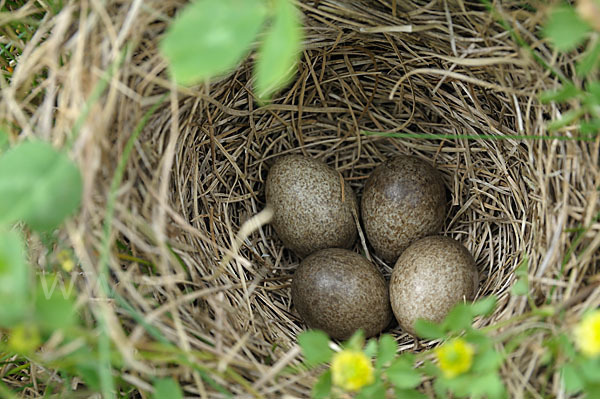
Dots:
{"x": 191, "y": 252}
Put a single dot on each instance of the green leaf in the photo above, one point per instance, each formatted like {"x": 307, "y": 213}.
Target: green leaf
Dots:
{"x": 521, "y": 286}
{"x": 590, "y": 369}
{"x": 322, "y": 387}
{"x": 14, "y": 279}
{"x": 593, "y": 89}
{"x": 387, "y": 350}
{"x": 402, "y": 374}
{"x": 210, "y": 37}
{"x": 567, "y": 346}
{"x": 488, "y": 385}
{"x": 484, "y": 306}
{"x": 38, "y": 185}
{"x": 459, "y": 318}
{"x": 430, "y": 369}
{"x": 592, "y": 390}
{"x": 589, "y": 61}
{"x": 565, "y": 93}
{"x": 54, "y": 304}
{"x": 572, "y": 378}
{"x": 460, "y": 385}
{"x": 278, "y": 54}
{"x": 84, "y": 363}
{"x": 373, "y": 391}
{"x": 371, "y": 348}
{"x": 440, "y": 387}
{"x": 409, "y": 394}
{"x": 428, "y": 330}
{"x": 590, "y": 128}
{"x": 167, "y": 388}
{"x": 565, "y": 29}
{"x": 476, "y": 337}
{"x": 356, "y": 341}
{"x": 315, "y": 347}
{"x": 566, "y": 119}
{"x": 489, "y": 360}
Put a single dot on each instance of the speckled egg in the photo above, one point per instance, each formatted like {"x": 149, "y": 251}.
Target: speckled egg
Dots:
{"x": 339, "y": 291}
{"x": 404, "y": 199}
{"x": 431, "y": 276}
{"x": 312, "y": 205}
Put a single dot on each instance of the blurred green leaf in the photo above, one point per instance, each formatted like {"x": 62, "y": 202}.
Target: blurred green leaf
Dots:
{"x": 210, "y": 37}
{"x": 356, "y": 341}
{"x": 322, "y": 387}
{"x": 564, "y": 28}
{"x": 167, "y": 388}
{"x": 566, "y": 346}
{"x": 428, "y": 330}
{"x": 402, "y": 374}
{"x": 484, "y": 306}
{"x": 489, "y": 360}
{"x": 14, "y": 279}
{"x": 373, "y": 391}
{"x": 54, "y": 304}
{"x": 590, "y": 369}
{"x": 521, "y": 286}
{"x": 460, "y": 385}
{"x": 278, "y": 54}
{"x": 409, "y": 394}
{"x": 459, "y": 318}
{"x": 566, "y": 119}
{"x": 387, "y": 350}
{"x": 440, "y": 388}
{"x": 430, "y": 369}
{"x": 83, "y": 362}
{"x": 476, "y": 337}
{"x": 594, "y": 89}
{"x": 315, "y": 347}
{"x": 566, "y": 92}
{"x": 371, "y": 348}
{"x": 589, "y": 61}
{"x": 571, "y": 378}
{"x": 590, "y": 128}
{"x": 592, "y": 390}
{"x": 488, "y": 386}
{"x": 38, "y": 185}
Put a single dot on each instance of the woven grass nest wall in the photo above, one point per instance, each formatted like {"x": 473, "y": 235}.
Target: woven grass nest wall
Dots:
{"x": 197, "y": 172}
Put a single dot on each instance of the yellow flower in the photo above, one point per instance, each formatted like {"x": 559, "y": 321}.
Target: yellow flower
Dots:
{"x": 587, "y": 334}
{"x": 455, "y": 357}
{"x": 351, "y": 370}
{"x": 64, "y": 258}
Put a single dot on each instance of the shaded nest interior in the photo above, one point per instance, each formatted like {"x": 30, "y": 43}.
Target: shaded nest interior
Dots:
{"x": 198, "y": 171}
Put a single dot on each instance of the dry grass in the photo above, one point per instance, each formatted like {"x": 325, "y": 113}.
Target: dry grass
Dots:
{"x": 198, "y": 171}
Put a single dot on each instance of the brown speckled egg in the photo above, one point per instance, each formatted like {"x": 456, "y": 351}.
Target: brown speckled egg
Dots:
{"x": 339, "y": 291}
{"x": 312, "y": 205}
{"x": 431, "y": 276}
{"x": 404, "y": 199}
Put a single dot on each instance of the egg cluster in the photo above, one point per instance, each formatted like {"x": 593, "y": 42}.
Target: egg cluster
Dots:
{"x": 402, "y": 209}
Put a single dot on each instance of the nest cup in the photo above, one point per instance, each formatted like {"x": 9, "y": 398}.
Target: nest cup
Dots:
{"x": 197, "y": 173}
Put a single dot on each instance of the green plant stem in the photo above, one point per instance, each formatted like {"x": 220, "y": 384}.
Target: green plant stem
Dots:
{"x": 104, "y": 339}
